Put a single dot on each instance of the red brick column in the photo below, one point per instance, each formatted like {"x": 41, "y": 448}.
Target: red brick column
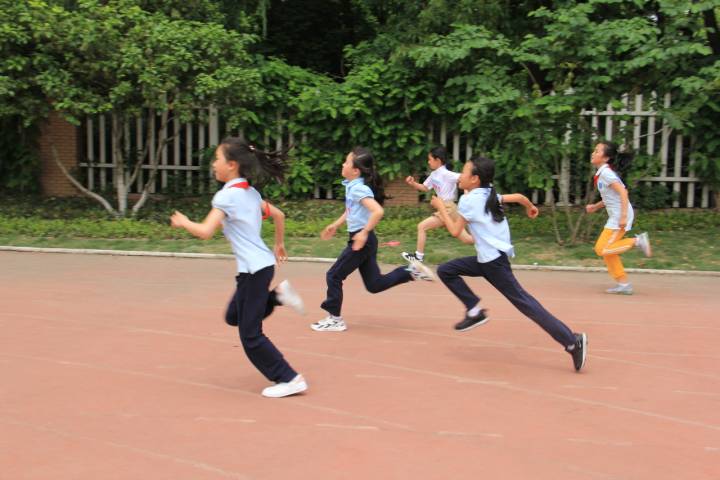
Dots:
{"x": 64, "y": 136}
{"x": 401, "y": 193}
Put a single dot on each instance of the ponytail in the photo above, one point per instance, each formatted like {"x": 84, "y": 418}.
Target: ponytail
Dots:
{"x": 364, "y": 161}
{"x": 618, "y": 161}
{"x": 485, "y": 169}
{"x": 255, "y": 164}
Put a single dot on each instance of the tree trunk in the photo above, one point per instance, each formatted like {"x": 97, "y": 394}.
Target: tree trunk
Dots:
{"x": 80, "y": 186}
{"x": 155, "y": 160}
{"x": 118, "y": 158}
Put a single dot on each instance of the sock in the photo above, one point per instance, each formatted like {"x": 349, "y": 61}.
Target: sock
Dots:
{"x": 473, "y": 312}
{"x": 336, "y": 317}
{"x": 623, "y": 284}
{"x": 419, "y": 255}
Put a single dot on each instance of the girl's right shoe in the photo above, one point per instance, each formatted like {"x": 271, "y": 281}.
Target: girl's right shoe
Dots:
{"x": 620, "y": 290}
{"x": 329, "y": 324}
{"x": 285, "y": 389}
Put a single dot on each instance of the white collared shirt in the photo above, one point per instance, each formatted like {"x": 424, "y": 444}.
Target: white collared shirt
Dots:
{"x": 357, "y": 214}
{"x": 490, "y": 237}
{"x": 242, "y": 226}
{"x": 444, "y": 182}
{"x": 605, "y": 177}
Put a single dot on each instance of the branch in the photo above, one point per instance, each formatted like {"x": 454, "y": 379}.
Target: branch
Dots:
{"x": 79, "y": 185}
{"x": 156, "y": 159}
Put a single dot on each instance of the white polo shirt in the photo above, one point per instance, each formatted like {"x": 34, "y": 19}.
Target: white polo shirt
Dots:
{"x": 242, "y": 226}
{"x": 444, "y": 182}
{"x": 604, "y": 177}
{"x": 490, "y": 237}
{"x": 357, "y": 214}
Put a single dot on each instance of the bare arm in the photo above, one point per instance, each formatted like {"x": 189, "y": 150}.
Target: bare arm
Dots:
{"x": 417, "y": 186}
{"x": 204, "y": 230}
{"x": 531, "y": 210}
{"x": 455, "y": 227}
{"x": 376, "y": 213}
{"x": 624, "y": 202}
{"x": 330, "y": 230}
{"x": 279, "y": 220}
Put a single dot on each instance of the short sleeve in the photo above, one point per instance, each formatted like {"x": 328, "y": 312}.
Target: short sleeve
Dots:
{"x": 428, "y": 182}
{"x": 465, "y": 209}
{"x": 455, "y": 176}
{"x": 359, "y": 192}
{"x": 609, "y": 177}
{"x": 221, "y": 201}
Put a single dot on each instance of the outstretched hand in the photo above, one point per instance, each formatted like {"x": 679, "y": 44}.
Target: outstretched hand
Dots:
{"x": 178, "y": 220}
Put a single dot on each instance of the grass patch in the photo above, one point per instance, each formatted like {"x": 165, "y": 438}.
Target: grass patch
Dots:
{"x": 683, "y": 240}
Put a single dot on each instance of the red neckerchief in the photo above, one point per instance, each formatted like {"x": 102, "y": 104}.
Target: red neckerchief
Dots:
{"x": 245, "y": 186}
{"x": 597, "y": 174}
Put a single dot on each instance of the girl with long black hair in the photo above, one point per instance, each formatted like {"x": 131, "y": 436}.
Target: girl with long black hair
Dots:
{"x": 481, "y": 209}
{"x": 239, "y": 209}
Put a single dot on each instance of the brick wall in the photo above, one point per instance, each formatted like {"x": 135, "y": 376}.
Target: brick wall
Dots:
{"x": 64, "y": 136}
{"x": 401, "y": 193}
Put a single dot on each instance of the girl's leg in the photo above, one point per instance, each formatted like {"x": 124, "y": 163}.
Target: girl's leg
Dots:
{"x": 348, "y": 261}
{"x": 609, "y": 246}
{"x": 500, "y": 276}
{"x": 450, "y": 273}
{"x": 232, "y": 313}
{"x": 422, "y": 228}
{"x": 374, "y": 281}
{"x": 252, "y": 300}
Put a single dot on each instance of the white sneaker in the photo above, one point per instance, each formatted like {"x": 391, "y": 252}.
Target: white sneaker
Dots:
{"x": 289, "y": 297}
{"x": 284, "y": 389}
{"x": 420, "y": 271}
{"x": 329, "y": 324}
{"x": 621, "y": 290}
{"x": 642, "y": 241}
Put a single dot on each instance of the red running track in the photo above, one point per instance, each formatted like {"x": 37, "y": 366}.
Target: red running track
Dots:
{"x": 122, "y": 368}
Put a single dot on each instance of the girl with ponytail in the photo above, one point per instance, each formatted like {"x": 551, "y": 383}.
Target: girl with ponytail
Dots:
{"x": 363, "y": 210}
{"x": 239, "y": 209}
{"x": 481, "y": 209}
{"x": 610, "y": 165}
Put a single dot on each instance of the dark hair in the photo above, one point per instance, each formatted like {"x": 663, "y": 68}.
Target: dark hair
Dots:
{"x": 439, "y": 152}
{"x": 255, "y": 164}
{"x": 364, "y": 161}
{"x": 485, "y": 169}
{"x": 618, "y": 161}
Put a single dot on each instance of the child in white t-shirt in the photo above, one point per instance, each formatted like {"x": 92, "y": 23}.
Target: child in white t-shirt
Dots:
{"x": 444, "y": 183}
{"x": 610, "y": 245}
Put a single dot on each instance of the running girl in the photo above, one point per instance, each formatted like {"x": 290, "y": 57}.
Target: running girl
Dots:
{"x": 363, "y": 211}
{"x": 238, "y": 208}
{"x": 610, "y": 245}
{"x": 481, "y": 209}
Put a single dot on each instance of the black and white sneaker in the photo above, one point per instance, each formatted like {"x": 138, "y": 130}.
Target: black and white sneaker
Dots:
{"x": 410, "y": 257}
{"x": 578, "y": 351}
{"x": 468, "y": 323}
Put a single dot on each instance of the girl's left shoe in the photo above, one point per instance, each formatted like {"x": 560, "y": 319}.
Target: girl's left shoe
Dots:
{"x": 285, "y": 389}
{"x": 642, "y": 241}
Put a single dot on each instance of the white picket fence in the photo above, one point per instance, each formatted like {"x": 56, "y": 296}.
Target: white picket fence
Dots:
{"x": 181, "y": 165}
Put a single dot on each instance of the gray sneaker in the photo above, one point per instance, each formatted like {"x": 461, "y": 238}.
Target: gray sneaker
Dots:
{"x": 642, "y": 242}
{"x": 621, "y": 290}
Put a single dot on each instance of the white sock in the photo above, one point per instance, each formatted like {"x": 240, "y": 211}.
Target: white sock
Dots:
{"x": 419, "y": 255}
{"x": 339, "y": 317}
{"x": 473, "y": 312}
{"x": 623, "y": 284}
